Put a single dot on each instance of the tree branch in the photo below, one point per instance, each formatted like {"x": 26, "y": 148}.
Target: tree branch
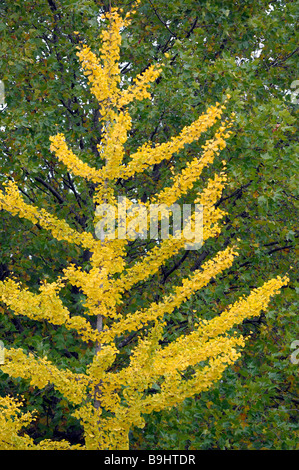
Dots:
{"x": 49, "y": 187}
{"x": 161, "y": 20}
{"x": 177, "y": 265}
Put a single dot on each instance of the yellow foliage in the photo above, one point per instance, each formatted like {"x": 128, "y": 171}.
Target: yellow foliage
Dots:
{"x": 108, "y": 403}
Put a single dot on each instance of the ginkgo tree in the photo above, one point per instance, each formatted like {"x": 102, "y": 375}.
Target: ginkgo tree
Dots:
{"x": 112, "y": 396}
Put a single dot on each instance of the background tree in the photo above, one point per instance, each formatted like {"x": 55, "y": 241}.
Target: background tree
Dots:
{"x": 212, "y": 50}
{"x": 113, "y": 395}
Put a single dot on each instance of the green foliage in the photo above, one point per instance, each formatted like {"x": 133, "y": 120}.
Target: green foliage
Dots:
{"x": 212, "y": 50}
